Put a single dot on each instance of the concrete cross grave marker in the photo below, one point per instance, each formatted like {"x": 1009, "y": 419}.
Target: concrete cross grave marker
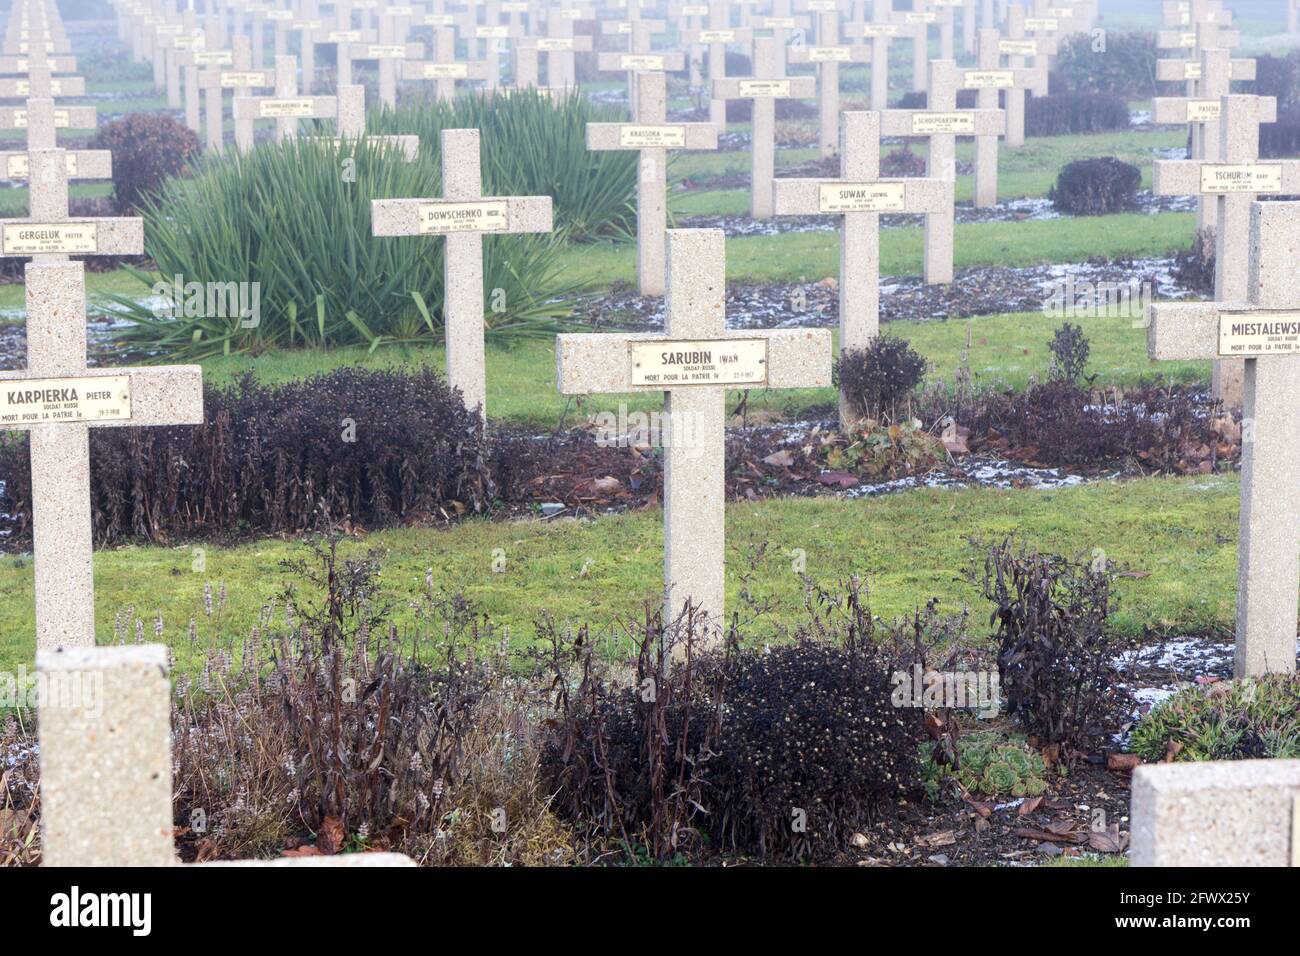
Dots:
{"x": 764, "y": 88}
{"x": 693, "y": 363}
{"x": 1208, "y": 80}
{"x": 1216, "y": 813}
{"x": 561, "y": 44}
{"x": 786, "y": 27}
{"x": 462, "y": 216}
{"x": 1233, "y": 178}
{"x": 389, "y": 55}
{"x": 881, "y": 30}
{"x": 828, "y": 53}
{"x": 56, "y": 399}
{"x": 350, "y": 126}
{"x": 106, "y": 763}
{"x": 860, "y": 195}
{"x": 987, "y": 79}
{"x": 715, "y": 37}
{"x": 1016, "y": 46}
{"x": 640, "y": 56}
{"x": 443, "y": 70}
{"x": 242, "y": 80}
{"x": 286, "y": 107}
{"x": 40, "y": 83}
{"x": 651, "y": 135}
{"x": 1262, "y": 329}
{"x": 40, "y": 119}
{"x": 691, "y": 18}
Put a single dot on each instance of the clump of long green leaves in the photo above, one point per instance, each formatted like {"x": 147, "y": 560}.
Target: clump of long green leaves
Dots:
{"x": 295, "y": 218}
{"x": 535, "y": 145}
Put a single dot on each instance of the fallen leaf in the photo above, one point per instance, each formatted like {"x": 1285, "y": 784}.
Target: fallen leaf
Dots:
{"x": 779, "y": 459}
{"x": 303, "y": 851}
{"x": 1110, "y": 840}
{"x": 330, "y": 838}
{"x": 1029, "y": 806}
{"x": 944, "y": 838}
{"x": 840, "y": 479}
{"x": 1123, "y": 763}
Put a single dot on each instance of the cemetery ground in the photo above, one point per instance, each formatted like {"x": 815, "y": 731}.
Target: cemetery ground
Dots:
{"x": 579, "y": 541}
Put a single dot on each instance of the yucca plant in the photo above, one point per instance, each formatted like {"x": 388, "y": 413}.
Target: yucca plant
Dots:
{"x": 295, "y": 218}
{"x": 535, "y": 145}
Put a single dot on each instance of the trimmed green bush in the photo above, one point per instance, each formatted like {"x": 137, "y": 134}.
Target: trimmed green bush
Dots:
{"x": 1233, "y": 720}
{"x": 534, "y": 145}
{"x": 148, "y": 149}
{"x": 294, "y": 218}
{"x": 1096, "y": 187}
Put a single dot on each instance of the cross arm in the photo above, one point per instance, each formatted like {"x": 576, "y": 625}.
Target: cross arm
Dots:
{"x": 21, "y": 87}
{"x": 832, "y": 53}
{"x": 975, "y": 122}
{"x": 401, "y": 217}
{"x": 1186, "y": 330}
{"x": 21, "y": 64}
{"x": 756, "y": 87}
{"x": 265, "y": 107}
{"x": 1182, "y": 177}
{"x": 65, "y": 117}
{"x": 802, "y": 197}
{"x": 470, "y": 70}
{"x": 389, "y": 51}
{"x": 636, "y": 135}
{"x": 641, "y": 62}
{"x": 160, "y": 394}
{"x": 1183, "y": 109}
{"x": 589, "y": 363}
{"x": 724, "y": 35}
{"x": 82, "y": 164}
{"x": 113, "y": 236}
{"x": 229, "y": 79}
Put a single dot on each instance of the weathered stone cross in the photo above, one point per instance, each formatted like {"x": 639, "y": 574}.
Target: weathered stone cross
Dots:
{"x": 286, "y": 107}
{"x": 1015, "y": 46}
{"x": 764, "y": 89}
{"x": 693, "y": 362}
{"x": 57, "y": 399}
{"x": 988, "y": 78}
{"x": 828, "y": 53}
{"x": 1233, "y": 177}
{"x": 40, "y": 119}
{"x": 715, "y": 37}
{"x": 443, "y": 70}
{"x": 1208, "y": 79}
{"x": 883, "y": 28}
{"x": 1263, "y": 329}
{"x": 860, "y": 195}
{"x": 242, "y": 79}
{"x": 651, "y": 136}
{"x": 463, "y": 216}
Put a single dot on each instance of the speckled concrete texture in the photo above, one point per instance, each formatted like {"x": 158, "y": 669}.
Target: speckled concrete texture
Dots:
{"x": 105, "y": 736}
{"x": 1231, "y": 813}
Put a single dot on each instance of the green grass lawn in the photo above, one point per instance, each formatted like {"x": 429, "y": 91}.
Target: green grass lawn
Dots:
{"x": 908, "y": 547}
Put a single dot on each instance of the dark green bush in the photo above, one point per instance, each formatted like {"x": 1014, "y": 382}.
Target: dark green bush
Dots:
{"x": 321, "y": 278}
{"x": 877, "y": 380}
{"x": 1235, "y": 720}
{"x": 1070, "y": 350}
{"x": 366, "y": 447}
{"x": 1096, "y": 187}
{"x": 1278, "y": 76}
{"x": 534, "y": 145}
{"x": 1070, "y": 113}
{"x": 148, "y": 149}
{"x": 1126, "y": 67}
{"x": 1281, "y": 140}
{"x": 902, "y": 162}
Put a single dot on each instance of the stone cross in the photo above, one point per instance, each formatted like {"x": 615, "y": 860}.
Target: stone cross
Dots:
{"x": 859, "y": 196}
{"x": 639, "y": 56}
{"x": 309, "y": 25}
{"x": 350, "y": 126}
{"x": 1233, "y": 178}
{"x": 492, "y": 35}
{"x": 346, "y": 40}
{"x": 987, "y": 79}
{"x": 1203, "y": 35}
{"x": 286, "y": 107}
{"x": 1216, "y": 813}
{"x": 444, "y": 71}
{"x": 1015, "y": 47}
{"x": 40, "y": 84}
{"x": 715, "y": 37}
{"x": 786, "y": 26}
{"x": 693, "y": 363}
{"x": 192, "y": 53}
{"x": 106, "y": 763}
{"x": 651, "y": 136}
{"x": 828, "y": 54}
{"x": 57, "y": 398}
{"x": 561, "y": 45}
{"x": 694, "y": 17}
{"x": 1208, "y": 79}
{"x": 463, "y": 216}
{"x": 764, "y": 88}
{"x": 242, "y": 79}
{"x": 40, "y": 119}
{"x": 919, "y": 20}
{"x": 881, "y": 30}
{"x": 1263, "y": 330}
{"x": 389, "y": 55}
{"x": 1188, "y": 13}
